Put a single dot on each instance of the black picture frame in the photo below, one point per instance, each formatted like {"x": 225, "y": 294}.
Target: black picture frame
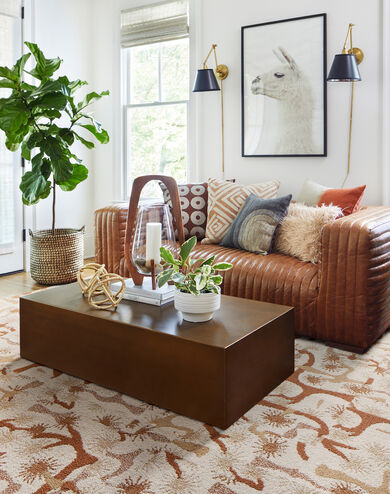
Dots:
{"x": 323, "y": 93}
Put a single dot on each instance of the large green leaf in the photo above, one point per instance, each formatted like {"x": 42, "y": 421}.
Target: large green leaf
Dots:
{"x": 14, "y": 139}
{"x": 34, "y": 139}
{"x": 11, "y": 146}
{"x": 90, "y": 98}
{"x": 62, "y": 170}
{"x": 90, "y": 117}
{"x": 86, "y": 143}
{"x": 66, "y": 135}
{"x": 80, "y": 173}
{"x": 6, "y": 83}
{"x": 9, "y": 74}
{"x": 29, "y": 88}
{"x": 56, "y": 101}
{"x": 26, "y": 153}
{"x": 41, "y": 165}
{"x": 45, "y": 67}
{"x": 102, "y": 135}
{"x": 19, "y": 66}
{"x": 13, "y": 114}
{"x": 48, "y": 87}
{"x": 186, "y": 248}
{"x": 69, "y": 87}
{"x": 46, "y": 113}
{"x": 34, "y": 187}
{"x": 52, "y": 147}
{"x": 59, "y": 158}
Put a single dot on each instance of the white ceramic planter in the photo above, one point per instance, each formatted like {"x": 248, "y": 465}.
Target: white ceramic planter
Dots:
{"x": 197, "y": 308}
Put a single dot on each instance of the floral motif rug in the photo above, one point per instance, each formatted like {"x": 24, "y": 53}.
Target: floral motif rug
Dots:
{"x": 325, "y": 429}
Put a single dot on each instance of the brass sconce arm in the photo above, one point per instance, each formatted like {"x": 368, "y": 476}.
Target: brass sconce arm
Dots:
{"x": 359, "y": 55}
{"x": 221, "y": 70}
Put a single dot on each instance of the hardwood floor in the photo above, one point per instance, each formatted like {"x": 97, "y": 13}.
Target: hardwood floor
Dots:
{"x": 20, "y": 283}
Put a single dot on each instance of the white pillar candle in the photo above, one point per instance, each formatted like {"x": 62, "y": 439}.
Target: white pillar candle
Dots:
{"x": 153, "y": 242}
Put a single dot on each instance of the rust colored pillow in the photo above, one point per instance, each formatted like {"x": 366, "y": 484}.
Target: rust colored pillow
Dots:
{"x": 347, "y": 199}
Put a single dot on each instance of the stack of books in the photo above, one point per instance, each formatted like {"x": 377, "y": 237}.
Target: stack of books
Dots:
{"x": 145, "y": 294}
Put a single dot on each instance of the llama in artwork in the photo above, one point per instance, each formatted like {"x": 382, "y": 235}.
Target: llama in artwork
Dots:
{"x": 288, "y": 125}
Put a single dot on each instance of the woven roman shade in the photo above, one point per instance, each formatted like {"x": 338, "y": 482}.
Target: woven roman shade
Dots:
{"x": 154, "y": 23}
{"x": 10, "y": 8}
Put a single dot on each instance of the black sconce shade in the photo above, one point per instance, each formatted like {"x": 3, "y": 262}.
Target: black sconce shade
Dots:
{"x": 205, "y": 80}
{"x": 344, "y": 69}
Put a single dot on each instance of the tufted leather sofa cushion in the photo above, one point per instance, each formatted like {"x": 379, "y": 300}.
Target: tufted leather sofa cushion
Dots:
{"x": 345, "y": 299}
{"x": 273, "y": 278}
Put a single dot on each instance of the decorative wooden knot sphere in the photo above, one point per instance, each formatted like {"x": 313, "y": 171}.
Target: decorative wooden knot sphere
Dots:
{"x": 98, "y": 286}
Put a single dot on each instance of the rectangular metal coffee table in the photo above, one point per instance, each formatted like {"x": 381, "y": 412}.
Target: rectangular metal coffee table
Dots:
{"x": 213, "y": 371}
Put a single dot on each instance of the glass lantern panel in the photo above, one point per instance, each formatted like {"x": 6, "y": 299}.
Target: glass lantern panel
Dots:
{"x": 151, "y": 213}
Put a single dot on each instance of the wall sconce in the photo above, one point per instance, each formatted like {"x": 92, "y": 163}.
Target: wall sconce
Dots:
{"x": 345, "y": 69}
{"x": 206, "y": 80}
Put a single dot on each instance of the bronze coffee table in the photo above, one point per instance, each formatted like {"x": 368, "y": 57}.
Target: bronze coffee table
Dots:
{"x": 213, "y": 371}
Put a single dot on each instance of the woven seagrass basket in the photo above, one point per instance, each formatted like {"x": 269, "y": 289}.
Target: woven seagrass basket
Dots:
{"x": 55, "y": 259}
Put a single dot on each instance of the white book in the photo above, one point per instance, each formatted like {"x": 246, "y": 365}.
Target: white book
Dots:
{"x": 146, "y": 300}
{"x": 145, "y": 291}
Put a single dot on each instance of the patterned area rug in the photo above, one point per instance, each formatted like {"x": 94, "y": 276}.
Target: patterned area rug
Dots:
{"x": 325, "y": 429}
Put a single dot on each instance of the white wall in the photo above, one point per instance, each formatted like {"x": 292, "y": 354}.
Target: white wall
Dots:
{"x": 366, "y": 145}
{"x": 219, "y": 21}
{"x": 64, "y": 29}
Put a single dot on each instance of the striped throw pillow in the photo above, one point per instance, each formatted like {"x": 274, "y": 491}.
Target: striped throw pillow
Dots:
{"x": 225, "y": 201}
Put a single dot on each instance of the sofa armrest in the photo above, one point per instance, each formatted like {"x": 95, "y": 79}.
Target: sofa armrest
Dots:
{"x": 354, "y": 291}
{"x": 110, "y": 229}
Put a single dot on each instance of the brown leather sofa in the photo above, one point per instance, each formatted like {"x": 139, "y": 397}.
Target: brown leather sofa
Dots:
{"x": 343, "y": 300}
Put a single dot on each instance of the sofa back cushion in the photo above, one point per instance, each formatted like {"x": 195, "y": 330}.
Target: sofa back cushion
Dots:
{"x": 193, "y": 202}
{"x": 225, "y": 200}
{"x": 300, "y": 232}
{"x": 311, "y": 192}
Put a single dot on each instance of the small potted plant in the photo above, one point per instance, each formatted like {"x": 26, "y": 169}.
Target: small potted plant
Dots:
{"x": 44, "y": 119}
{"x": 197, "y": 293}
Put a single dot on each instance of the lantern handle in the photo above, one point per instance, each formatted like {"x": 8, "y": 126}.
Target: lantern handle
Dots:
{"x": 138, "y": 184}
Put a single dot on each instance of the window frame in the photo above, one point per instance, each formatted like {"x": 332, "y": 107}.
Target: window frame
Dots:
{"x": 127, "y": 105}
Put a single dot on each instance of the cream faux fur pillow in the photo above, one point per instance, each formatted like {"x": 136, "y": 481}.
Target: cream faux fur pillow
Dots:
{"x": 299, "y": 234}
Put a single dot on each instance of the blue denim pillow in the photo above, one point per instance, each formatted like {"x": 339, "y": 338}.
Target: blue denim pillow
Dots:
{"x": 255, "y": 225}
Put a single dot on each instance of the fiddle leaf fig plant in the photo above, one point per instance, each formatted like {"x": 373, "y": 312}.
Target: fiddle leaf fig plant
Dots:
{"x": 44, "y": 120}
{"x": 189, "y": 275}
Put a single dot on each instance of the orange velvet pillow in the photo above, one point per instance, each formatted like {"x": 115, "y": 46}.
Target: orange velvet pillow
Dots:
{"x": 347, "y": 199}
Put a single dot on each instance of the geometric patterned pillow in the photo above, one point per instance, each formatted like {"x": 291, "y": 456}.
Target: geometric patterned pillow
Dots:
{"x": 193, "y": 202}
{"x": 224, "y": 202}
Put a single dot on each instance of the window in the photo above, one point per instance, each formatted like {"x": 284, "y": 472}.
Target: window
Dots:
{"x": 156, "y": 92}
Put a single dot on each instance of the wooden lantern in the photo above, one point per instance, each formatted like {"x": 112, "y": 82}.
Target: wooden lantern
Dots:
{"x": 138, "y": 184}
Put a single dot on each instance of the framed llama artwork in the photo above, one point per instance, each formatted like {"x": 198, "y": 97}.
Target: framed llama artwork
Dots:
{"x": 283, "y": 87}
